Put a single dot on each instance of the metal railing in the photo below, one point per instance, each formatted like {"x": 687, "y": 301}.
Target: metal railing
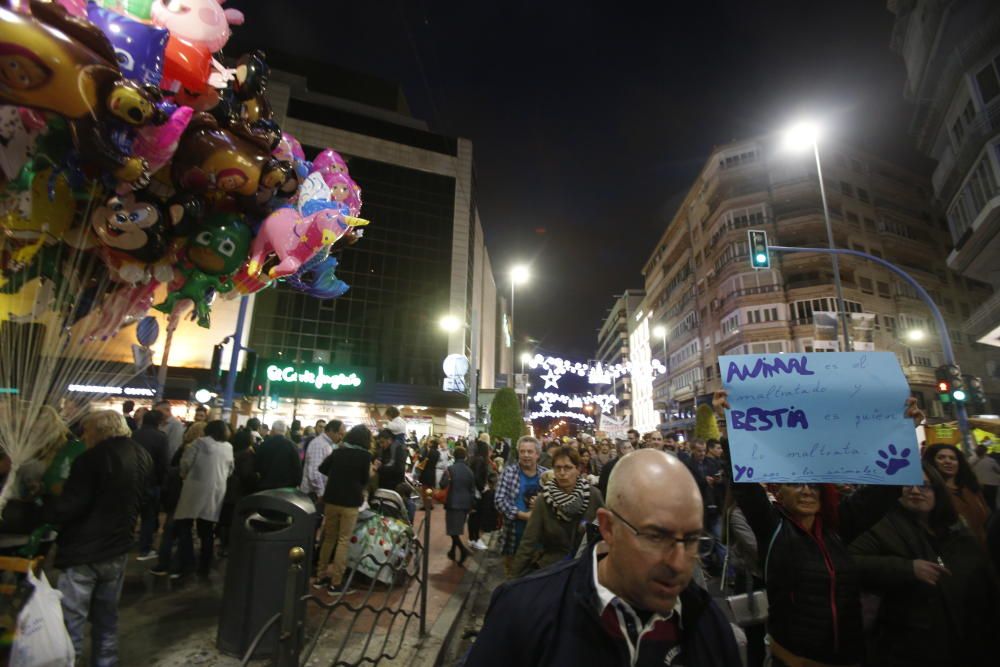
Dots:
{"x": 294, "y": 650}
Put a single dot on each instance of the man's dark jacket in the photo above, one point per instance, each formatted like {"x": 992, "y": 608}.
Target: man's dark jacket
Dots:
{"x": 98, "y": 507}
{"x": 154, "y": 441}
{"x": 550, "y": 619}
{"x": 277, "y": 464}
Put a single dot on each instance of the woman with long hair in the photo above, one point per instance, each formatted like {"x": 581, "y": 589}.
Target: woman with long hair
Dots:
{"x": 939, "y": 597}
{"x": 964, "y": 491}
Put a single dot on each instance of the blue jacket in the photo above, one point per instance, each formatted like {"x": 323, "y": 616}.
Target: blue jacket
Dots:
{"x": 550, "y": 619}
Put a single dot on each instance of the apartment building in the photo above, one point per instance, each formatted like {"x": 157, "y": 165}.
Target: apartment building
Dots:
{"x": 701, "y": 287}
{"x": 613, "y": 345}
{"x": 952, "y": 55}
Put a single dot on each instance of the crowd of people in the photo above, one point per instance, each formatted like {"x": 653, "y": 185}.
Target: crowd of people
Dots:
{"x": 609, "y": 546}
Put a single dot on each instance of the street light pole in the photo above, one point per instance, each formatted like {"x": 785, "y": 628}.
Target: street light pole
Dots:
{"x": 830, "y": 244}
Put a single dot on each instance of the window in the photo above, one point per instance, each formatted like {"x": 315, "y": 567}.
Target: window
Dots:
{"x": 738, "y": 159}
{"x": 896, "y": 229}
{"x": 680, "y": 356}
{"x": 913, "y": 322}
{"x": 988, "y": 80}
{"x": 857, "y": 246}
{"x": 730, "y": 324}
{"x": 883, "y": 289}
{"x": 852, "y": 218}
{"x": 866, "y": 285}
{"x": 863, "y": 196}
{"x": 762, "y": 315}
{"x": 846, "y": 188}
{"x": 889, "y": 322}
{"x": 708, "y": 372}
{"x": 870, "y": 226}
{"x": 802, "y": 311}
{"x": 917, "y": 359}
{"x": 875, "y": 252}
{"x": 738, "y": 219}
{"x": 686, "y": 379}
{"x": 906, "y": 289}
{"x": 979, "y": 188}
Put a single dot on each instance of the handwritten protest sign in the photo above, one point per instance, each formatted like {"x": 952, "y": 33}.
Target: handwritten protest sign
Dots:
{"x": 821, "y": 417}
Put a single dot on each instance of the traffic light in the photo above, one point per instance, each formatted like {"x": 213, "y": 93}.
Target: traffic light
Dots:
{"x": 977, "y": 395}
{"x": 215, "y": 374}
{"x": 951, "y": 384}
{"x": 759, "y": 257}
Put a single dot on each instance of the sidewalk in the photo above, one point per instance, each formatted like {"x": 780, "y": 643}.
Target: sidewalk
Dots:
{"x": 170, "y": 624}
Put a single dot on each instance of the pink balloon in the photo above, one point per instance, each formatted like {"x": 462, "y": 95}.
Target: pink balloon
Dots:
{"x": 201, "y": 22}
{"x": 75, "y": 7}
{"x": 158, "y": 143}
{"x": 330, "y": 161}
{"x": 289, "y": 148}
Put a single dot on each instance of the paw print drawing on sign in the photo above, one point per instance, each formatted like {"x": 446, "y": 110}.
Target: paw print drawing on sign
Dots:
{"x": 893, "y": 461}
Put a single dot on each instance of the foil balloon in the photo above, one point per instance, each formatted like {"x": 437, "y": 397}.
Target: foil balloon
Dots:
{"x": 185, "y": 65}
{"x": 201, "y": 22}
{"x": 214, "y": 252}
{"x": 344, "y": 191}
{"x": 318, "y": 278}
{"x": 75, "y": 7}
{"x": 329, "y": 161}
{"x": 138, "y": 47}
{"x": 212, "y": 159}
{"x": 139, "y": 9}
{"x": 147, "y": 331}
{"x": 157, "y": 144}
{"x": 289, "y": 148}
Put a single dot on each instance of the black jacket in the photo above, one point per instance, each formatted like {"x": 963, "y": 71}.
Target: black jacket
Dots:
{"x": 277, "y": 464}
{"x": 428, "y": 475}
{"x": 946, "y": 625}
{"x": 550, "y": 619}
{"x": 154, "y": 441}
{"x": 98, "y": 507}
{"x": 347, "y": 470}
{"x": 813, "y": 592}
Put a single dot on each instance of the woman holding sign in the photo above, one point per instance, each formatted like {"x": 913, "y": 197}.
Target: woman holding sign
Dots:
{"x": 939, "y": 597}
{"x": 813, "y": 590}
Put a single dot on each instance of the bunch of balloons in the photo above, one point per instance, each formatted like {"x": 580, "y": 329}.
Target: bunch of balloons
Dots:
{"x": 123, "y": 137}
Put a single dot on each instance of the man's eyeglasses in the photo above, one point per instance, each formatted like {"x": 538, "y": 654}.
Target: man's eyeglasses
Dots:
{"x": 660, "y": 541}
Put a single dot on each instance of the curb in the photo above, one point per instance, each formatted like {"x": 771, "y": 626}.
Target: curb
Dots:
{"x": 431, "y": 650}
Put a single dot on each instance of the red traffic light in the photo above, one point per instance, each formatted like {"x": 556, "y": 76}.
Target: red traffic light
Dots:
{"x": 942, "y": 387}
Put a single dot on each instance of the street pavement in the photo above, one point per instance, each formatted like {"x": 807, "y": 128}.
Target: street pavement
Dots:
{"x": 166, "y": 623}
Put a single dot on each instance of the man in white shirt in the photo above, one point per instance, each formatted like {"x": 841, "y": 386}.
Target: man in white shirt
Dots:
{"x": 320, "y": 447}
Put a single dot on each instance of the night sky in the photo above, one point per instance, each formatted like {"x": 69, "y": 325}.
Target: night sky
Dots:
{"x": 590, "y": 120}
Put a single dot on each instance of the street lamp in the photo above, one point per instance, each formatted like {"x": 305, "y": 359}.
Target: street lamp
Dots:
{"x": 915, "y": 335}
{"x": 660, "y": 331}
{"x": 519, "y": 275}
{"x": 802, "y": 136}
{"x": 525, "y": 358}
{"x": 450, "y": 323}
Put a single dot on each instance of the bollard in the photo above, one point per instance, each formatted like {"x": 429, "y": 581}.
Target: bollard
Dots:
{"x": 290, "y": 632}
{"x": 428, "y": 506}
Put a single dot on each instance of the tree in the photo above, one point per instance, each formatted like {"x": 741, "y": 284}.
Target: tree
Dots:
{"x": 705, "y": 426}
{"x": 505, "y": 415}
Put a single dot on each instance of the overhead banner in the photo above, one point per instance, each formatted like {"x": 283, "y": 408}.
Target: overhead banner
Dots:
{"x": 863, "y": 332}
{"x": 614, "y": 427}
{"x": 821, "y": 417}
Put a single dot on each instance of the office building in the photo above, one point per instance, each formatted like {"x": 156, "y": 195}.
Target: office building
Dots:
{"x": 423, "y": 257}
{"x": 951, "y": 51}
{"x": 701, "y": 287}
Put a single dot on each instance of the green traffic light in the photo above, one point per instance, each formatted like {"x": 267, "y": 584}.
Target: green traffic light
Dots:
{"x": 958, "y": 395}
{"x": 761, "y": 258}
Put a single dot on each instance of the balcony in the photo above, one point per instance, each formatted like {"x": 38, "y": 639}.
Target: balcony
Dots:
{"x": 976, "y": 253}
{"x": 751, "y": 291}
{"x": 955, "y": 166}
{"x": 984, "y": 325}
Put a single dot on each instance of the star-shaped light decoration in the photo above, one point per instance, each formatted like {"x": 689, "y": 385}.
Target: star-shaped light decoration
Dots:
{"x": 551, "y": 379}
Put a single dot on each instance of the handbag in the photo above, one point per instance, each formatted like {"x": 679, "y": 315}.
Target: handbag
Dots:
{"x": 748, "y": 608}
{"x": 440, "y": 495}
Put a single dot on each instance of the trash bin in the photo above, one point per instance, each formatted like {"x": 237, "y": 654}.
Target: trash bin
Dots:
{"x": 266, "y": 526}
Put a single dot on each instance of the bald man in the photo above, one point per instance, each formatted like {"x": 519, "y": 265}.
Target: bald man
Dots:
{"x": 629, "y": 599}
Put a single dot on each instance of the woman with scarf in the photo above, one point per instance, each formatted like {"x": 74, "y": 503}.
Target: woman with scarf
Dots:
{"x": 963, "y": 487}
{"x": 558, "y": 523}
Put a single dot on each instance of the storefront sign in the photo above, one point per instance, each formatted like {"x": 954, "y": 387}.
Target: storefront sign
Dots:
{"x": 111, "y": 391}
{"x": 317, "y": 377}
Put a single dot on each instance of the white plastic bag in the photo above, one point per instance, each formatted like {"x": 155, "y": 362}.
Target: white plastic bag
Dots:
{"x": 42, "y": 639}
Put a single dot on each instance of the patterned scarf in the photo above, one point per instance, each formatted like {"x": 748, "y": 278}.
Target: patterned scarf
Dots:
{"x": 567, "y": 506}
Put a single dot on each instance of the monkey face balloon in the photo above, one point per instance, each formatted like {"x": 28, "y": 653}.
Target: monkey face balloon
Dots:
{"x": 132, "y": 226}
